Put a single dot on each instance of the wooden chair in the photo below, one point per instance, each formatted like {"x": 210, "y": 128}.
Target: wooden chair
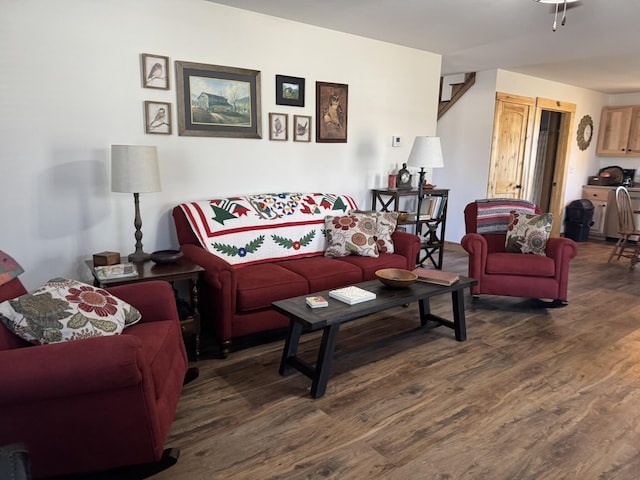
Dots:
{"x": 626, "y": 229}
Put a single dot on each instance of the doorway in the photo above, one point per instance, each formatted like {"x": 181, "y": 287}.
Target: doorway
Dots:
{"x": 548, "y": 136}
{"x": 530, "y": 152}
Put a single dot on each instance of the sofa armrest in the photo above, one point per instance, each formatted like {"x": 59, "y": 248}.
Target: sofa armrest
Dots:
{"x": 155, "y": 299}
{"x": 476, "y": 245}
{"x": 407, "y": 245}
{"x": 219, "y": 290}
{"x": 37, "y": 373}
{"x": 562, "y": 250}
{"x": 217, "y": 270}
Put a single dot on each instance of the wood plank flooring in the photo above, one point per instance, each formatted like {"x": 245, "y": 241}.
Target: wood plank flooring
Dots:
{"x": 532, "y": 394}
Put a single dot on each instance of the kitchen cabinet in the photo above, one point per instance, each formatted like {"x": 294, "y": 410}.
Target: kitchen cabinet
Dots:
{"x": 619, "y": 132}
{"x": 600, "y": 198}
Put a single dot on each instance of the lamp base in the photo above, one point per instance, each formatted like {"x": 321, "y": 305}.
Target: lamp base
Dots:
{"x": 139, "y": 257}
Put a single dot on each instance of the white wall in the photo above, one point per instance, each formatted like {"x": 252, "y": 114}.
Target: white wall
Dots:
{"x": 471, "y": 119}
{"x": 465, "y": 132}
{"x": 70, "y": 87}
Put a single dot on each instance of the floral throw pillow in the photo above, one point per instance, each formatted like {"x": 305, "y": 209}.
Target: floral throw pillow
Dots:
{"x": 528, "y": 233}
{"x": 64, "y": 310}
{"x": 385, "y": 226}
{"x": 351, "y": 235}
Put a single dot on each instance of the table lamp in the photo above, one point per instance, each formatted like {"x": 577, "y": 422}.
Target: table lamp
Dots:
{"x": 134, "y": 169}
{"x": 426, "y": 152}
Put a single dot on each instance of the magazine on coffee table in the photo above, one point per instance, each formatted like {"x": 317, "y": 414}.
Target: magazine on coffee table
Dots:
{"x": 437, "y": 277}
{"x": 352, "y": 295}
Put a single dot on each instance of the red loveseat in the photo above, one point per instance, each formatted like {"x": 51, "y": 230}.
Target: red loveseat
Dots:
{"x": 516, "y": 274}
{"x": 98, "y": 403}
{"x": 235, "y": 300}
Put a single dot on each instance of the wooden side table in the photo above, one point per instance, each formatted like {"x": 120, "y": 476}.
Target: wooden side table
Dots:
{"x": 182, "y": 270}
{"x": 432, "y": 240}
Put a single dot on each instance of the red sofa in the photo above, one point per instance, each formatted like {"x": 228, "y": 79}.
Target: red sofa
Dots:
{"x": 516, "y": 274}
{"x": 95, "y": 404}
{"x": 235, "y": 301}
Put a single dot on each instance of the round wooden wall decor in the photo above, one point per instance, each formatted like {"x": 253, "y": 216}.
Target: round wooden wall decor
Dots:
{"x": 585, "y": 132}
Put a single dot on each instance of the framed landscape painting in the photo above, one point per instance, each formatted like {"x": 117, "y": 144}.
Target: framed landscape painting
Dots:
{"x": 218, "y": 101}
{"x": 332, "y": 107}
{"x": 289, "y": 91}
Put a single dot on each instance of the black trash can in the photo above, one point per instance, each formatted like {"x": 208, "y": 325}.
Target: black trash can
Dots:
{"x": 578, "y": 220}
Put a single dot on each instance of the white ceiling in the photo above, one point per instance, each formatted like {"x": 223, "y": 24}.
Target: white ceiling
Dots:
{"x": 598, "y": 48}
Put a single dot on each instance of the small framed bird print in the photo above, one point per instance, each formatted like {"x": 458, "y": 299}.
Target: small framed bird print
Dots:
{"x": 157, "y": 118}
{"x": 155, "y": 71}
{"x": 278, "y": 126}
{"x": 301, "y": 128}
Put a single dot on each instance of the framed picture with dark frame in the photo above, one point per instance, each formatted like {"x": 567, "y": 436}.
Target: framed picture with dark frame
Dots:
{"x": 278, "y": 126}
{"x": 332, "y": 108}
{"x": 301, "y": 128}
{"x": 157, "y": 117}
{"x": 289, "y": 91}
{"x": 155, "y": 71}
{"x": 218, "y": 101}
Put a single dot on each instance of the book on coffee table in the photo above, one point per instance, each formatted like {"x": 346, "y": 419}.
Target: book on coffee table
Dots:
{"x": 437, "y": 277}
{"x": 317, "y": 301}
{"x": 352, "y": 295}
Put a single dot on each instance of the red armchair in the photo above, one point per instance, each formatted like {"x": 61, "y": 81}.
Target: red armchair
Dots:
{"x": 516, "y": 274}
{"x": 99, "y": 403}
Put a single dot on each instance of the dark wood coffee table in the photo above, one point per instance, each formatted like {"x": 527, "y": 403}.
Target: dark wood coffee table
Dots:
{"x": 304, "y": 319}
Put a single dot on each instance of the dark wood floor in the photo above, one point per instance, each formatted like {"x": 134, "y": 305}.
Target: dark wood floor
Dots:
{"x": 532, "y": 394}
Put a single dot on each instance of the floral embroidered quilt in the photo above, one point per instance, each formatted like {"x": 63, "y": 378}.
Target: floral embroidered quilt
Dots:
{"x": 266, "y": 227}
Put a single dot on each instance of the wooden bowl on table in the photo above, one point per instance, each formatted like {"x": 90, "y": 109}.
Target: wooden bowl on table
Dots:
{"x": 396, "y": 277}
{"x": 166, "y": 257}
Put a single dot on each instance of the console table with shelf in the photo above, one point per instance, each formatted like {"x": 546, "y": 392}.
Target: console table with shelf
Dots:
{"x": 430, "y": 230}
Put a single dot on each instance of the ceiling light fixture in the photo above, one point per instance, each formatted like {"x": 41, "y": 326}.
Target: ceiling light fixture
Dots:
{"x": 564, "y": 13}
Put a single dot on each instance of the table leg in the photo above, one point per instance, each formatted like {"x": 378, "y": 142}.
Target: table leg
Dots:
{"x": 325, "y": 357}
{"x": 196, "y": 317}
{"x": 290, "y": 346}
{"x": 460, "y": 324}
{"x": 425, "y": 311}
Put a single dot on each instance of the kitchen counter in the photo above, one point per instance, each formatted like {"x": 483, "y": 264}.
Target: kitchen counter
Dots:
{"x": 612, "y": 187}
{"x": 605, "y": 211}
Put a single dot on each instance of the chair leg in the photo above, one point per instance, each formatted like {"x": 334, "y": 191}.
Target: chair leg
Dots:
{"x": 635, "y": 256}
{"x": 614, "y": 251}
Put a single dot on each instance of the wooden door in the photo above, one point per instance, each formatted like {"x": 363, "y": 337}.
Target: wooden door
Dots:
{"x": 512, "y": 122}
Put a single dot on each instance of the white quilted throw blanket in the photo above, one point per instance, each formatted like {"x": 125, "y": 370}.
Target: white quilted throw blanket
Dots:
{"x": 267, "y": 227}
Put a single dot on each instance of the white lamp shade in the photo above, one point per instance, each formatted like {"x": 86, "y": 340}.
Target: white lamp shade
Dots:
{"x": 134, "y": 169}
{"x": 426, "y": 152}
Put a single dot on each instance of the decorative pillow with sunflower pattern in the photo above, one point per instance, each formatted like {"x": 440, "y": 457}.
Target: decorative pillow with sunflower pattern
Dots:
{"x": 528, "y": 233}
{"x": 64, "y": 310}
{"x": 385, "y": 226}
{"x": 353, "y": 234}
